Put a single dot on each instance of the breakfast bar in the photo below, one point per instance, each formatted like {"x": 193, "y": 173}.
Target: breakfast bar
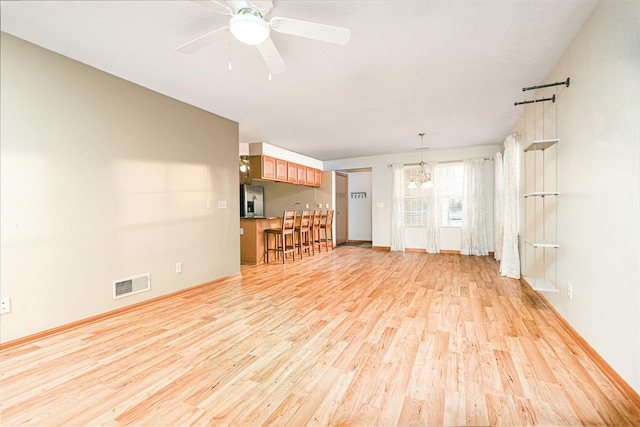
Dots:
{"x": 252, "y": 238}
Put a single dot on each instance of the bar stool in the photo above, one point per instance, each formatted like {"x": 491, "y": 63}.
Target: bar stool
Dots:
{"x": 315, "y": 231}
{"x": 327, "y": 226}
{"x": 280, "y": 237}
{"x": 303, "y": 233}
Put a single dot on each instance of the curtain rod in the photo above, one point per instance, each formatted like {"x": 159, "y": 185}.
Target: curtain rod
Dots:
{"x": 553, "y": 98}
{"x": 524, "y": 89}
{"x": 448, "y": 161}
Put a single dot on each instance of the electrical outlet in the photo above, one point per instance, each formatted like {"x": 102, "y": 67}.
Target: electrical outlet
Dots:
{"x": 178, "y": 267}
{"x": 306, "y": 206}
{"x": 570, "y": 291}
{"x": 241, "y": 231}
{"x": 5, "y": 305}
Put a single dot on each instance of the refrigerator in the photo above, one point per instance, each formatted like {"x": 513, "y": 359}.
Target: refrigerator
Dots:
{"x": 251, "y": 201}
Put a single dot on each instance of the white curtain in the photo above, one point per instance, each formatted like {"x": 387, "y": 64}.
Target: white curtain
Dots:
{"x": 473, "y": 239}
{"x": 397, "y": 208}
{"x": 433, "y": 223}
{"x": 498, "y": 205}
{"x": 509, "y": 254}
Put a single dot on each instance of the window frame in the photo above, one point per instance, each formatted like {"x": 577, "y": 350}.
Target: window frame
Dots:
{"x": 413, "y": 196}
{"x": 414, "y": 199}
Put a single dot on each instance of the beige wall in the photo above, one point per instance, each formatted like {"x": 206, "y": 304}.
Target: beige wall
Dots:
{"x": 599, "y": 184}
{"x": 103, "y": 180}
{"x": 279, "y": 196}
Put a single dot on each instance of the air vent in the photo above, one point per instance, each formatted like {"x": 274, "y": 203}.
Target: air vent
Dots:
{"x": 131, "y": 285}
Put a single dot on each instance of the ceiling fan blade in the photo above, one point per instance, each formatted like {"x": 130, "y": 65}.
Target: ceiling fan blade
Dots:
{"x": 312, "y": 30}
{"x": 271, "y": 56}
{"x": 205, "y": 40}
{"x": 214, "y": 6}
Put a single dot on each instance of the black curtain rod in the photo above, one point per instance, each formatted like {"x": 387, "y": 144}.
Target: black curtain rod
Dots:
{"x": 553, "y": 98}
{"x": 524, "y": 89}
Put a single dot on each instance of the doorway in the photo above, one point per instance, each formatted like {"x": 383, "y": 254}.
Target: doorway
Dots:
{"x": 353, "y": 201}
{"x": 342, "y": 211}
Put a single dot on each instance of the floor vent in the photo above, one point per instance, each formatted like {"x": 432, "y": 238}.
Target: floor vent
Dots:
{"x": 131, "y": 285}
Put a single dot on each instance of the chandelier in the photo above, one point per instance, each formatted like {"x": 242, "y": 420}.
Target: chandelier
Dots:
{"x": 423, "y": 177}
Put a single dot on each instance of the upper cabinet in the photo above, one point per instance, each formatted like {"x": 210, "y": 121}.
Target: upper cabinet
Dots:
{"x": 311, "y": 176}
{"x": 281, "y": 170}
{"x": 302, "y": 174}
{"x": 269, "y": 168}
{"x": 318, "y": 178}
{"x": 263, "y": 167}
{"x": 292, "y": 172}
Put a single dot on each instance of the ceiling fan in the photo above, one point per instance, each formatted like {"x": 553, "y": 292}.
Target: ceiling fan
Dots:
{"x": 249, "y": 25}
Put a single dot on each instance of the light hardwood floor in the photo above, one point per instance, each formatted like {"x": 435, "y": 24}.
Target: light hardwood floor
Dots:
{"x": 349, "y": 337}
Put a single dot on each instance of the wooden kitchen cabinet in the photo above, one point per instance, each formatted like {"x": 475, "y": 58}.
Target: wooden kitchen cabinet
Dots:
{"x": 318, "y": 178}
{"x": 292, "y": 172}
{"x": 269, "y": 168}
{"x": 263, "y": 167}
{"x": 281, "y": 170}
{"x": 302, "y": 174}
{"x": 311, "y": 176}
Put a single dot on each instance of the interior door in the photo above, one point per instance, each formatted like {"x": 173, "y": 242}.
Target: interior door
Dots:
{"x": 342, "y": 212}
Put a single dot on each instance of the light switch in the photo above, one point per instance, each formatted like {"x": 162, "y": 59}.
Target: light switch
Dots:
{"x": 380, "y": 205}
{"x": 207, "y": 204}
{"x": 222, "y": 204}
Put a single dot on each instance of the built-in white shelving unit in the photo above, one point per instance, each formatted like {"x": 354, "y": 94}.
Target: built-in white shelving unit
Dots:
{"x": 541, "y": 194}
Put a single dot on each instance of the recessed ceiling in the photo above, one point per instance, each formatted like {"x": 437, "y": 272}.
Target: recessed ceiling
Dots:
{"x": 450, "y": 68}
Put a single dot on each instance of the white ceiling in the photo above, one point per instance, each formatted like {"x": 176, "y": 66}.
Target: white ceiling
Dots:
{"x": 450, "y": 68}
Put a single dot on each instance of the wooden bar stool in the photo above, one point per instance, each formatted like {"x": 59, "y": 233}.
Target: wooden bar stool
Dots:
{"x": 327, "y": 227}
{"x": 280, "y": 238}
{"x": 315, "y": 231}
{"x": 303, "y": 233}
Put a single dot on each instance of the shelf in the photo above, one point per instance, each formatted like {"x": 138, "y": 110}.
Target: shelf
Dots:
{"x": 541, "y": 144}
{"x": 541, "y": 243}
{"x": 541, "y": 194}
{"x": 540, "y": 284}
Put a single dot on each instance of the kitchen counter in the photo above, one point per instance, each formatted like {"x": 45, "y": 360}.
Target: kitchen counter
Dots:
{"x": 252, "y": 238}
{"x": 261, "y": 217}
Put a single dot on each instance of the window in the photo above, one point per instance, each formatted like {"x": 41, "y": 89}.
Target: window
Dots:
{"x": 415, "y": 204}
{"x": 450, "y": 194}
{"x": 448, "y": 184}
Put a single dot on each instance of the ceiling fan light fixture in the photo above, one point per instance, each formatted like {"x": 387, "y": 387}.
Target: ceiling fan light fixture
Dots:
{"x": 249, "y": 28}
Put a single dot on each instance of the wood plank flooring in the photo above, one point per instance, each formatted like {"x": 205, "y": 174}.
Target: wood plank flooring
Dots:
{"x": 349, "y": 337}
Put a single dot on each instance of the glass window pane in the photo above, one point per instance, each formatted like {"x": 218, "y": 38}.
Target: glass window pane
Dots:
{"x": 449, "y": 187}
